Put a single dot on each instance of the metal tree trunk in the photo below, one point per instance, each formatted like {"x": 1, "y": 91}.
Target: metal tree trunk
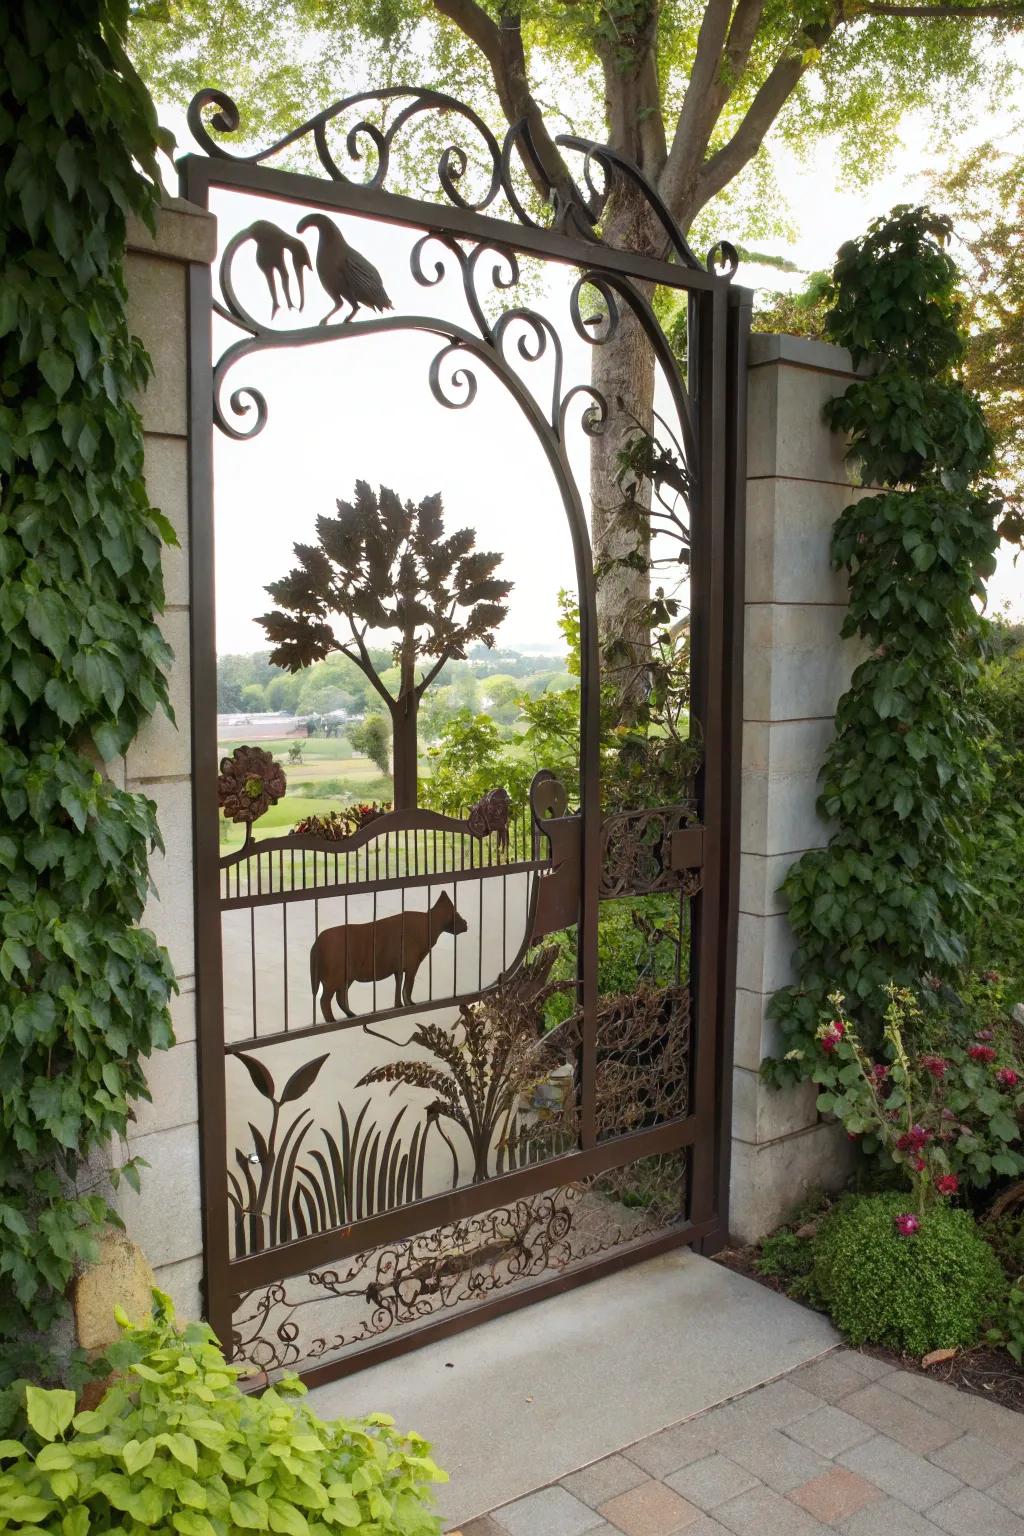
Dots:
{"x": 405, "y": 768}
{"x": 622, "y": 370}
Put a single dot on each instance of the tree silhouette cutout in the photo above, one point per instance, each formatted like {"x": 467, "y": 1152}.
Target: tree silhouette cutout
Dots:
{"x": 385, "y": 564}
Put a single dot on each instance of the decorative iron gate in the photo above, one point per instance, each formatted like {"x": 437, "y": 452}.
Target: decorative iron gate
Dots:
{"x": 428, "y": 1120}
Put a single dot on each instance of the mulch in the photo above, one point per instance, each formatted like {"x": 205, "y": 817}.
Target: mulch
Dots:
{"x": 985, "y": 1371}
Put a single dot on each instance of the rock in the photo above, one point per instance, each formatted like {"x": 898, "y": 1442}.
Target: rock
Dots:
{"x": 1017, "y": 1013}
{"x": 122, "y": 1276}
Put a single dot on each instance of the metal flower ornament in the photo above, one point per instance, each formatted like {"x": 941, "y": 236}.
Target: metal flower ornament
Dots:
{"x": 250, "y": 782}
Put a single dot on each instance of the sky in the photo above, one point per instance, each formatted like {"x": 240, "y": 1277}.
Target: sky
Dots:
{"x": 362, "y": 407}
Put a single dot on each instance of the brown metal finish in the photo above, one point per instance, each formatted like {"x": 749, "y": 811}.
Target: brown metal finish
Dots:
{"x": 570, "y": 1149}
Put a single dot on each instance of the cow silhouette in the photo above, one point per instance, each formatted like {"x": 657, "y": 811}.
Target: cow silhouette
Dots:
{"x": 392, "y": 946}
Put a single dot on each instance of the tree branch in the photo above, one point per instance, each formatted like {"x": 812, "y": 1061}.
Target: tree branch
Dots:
{"x": 502, "y": 46}
{"x": 365, "y": 665}
{"x": 428, "y": 677}
{"x": 720, "y": 168}
{"x": 1010, "y": 12}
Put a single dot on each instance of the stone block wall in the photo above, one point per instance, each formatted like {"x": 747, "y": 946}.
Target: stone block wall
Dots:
{"x": 795, "y": 669}
{"x": 164, "y": 1220}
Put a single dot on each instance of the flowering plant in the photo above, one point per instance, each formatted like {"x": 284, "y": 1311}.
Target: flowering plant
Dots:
{"x": 943, "y": 1119}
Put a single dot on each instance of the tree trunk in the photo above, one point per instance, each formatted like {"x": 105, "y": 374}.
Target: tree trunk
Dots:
{"x": 622, "y": 371}
{"x": 405, "y": 753}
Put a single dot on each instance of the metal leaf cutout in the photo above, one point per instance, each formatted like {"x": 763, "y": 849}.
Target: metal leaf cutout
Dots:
{"x": 262, "y": 1080}
{"x": 302, "y": 1080}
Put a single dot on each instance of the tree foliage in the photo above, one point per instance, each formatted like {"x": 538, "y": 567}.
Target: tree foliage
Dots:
{"x": 688, "y": 88}
{"x": 384, "y": 564}
{"x": 985, "y": 194}
{"x": 889, "y": 899}
{"x": 83, "y": 991}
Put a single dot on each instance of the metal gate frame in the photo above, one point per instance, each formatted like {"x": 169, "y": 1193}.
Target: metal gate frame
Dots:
{"x": 719, "y": 317}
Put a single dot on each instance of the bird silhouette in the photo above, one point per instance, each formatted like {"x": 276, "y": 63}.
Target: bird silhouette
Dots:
{"x": 346, "y": 275}
{"x": 272, "y": 244}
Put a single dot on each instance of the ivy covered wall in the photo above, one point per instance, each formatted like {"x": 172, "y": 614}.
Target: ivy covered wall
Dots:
{"x": 83, "y": 991}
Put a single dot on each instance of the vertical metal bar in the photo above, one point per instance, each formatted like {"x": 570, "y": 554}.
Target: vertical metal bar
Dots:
{"x": 732, "y": 741}
{"x": 284, "y": 935}
{"x": 709, "y": 660}
{"x": 218, "y": 1301}
{"x": 316, "y": 926}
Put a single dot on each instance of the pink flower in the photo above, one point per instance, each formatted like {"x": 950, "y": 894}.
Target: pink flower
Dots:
{"x": 981, "y": 1053}
{"x": 880, "y": 1072}
{"x": 906, "y": 1224}
{"x": 947, "y": 1114}
{"x": 938, "y": 1066}
{"x": 914, "y": 1139}
{"x": 831, "y": 1035}
{"x": 1006, "y": 1077}
{"x": 983, "y": 1034}
{"x": 919, "y": 1164}
{"x": 947, "y": 1184}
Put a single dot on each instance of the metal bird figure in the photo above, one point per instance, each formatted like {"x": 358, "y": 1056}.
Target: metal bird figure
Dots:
{"x": 272, "y": 244}
{"x": 345, "y": 274}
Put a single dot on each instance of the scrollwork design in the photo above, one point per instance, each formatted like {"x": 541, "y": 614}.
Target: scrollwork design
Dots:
{"x": 456, "y": 1266}
{"x": 576, "y": 209}
{"x": 453, "y": 164}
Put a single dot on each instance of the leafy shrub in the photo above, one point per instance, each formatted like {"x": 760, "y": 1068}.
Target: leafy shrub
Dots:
{"x": 636, "y": 941}
{"x": 175, "y": 1449}
{"x": 941, "y": 1119}
{"x": 784, "y": 1256}
{"x": 1008, "y": 1329}
{"x": 928, "y": 1287}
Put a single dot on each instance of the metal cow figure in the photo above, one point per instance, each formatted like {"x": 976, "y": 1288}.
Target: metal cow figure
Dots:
{"x": 392, "y": 946}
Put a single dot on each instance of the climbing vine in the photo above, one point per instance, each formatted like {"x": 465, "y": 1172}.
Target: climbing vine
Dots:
{"x": 83, "y": 991}
{"x": 888, "y": 900}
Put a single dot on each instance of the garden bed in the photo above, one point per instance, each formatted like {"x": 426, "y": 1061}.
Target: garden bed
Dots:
{"x": 985, "y": 1370}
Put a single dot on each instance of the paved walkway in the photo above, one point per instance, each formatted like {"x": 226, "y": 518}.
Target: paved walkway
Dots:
{"x": 845, "y": 1443}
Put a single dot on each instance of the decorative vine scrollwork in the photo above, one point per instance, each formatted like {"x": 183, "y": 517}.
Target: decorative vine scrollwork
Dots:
{"x": 575, "y": 208}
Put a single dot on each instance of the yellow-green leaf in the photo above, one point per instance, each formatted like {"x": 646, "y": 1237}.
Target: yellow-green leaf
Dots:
{"x": 49, "y": 1413}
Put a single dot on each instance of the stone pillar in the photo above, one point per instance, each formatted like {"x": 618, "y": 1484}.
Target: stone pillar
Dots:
{"x": 795, "y": 669}
{"x": 164, "y": 1219}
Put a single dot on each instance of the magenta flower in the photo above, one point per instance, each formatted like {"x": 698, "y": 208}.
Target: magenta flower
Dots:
{"x": 831, "y": 1035}
{"x": 914, "y": 1139}
{"x": 947, "y": 1184}
{"x": 906, "y": 1224}
{"x": 880, "y": 1072}
{"x": 981, "y": 1053}
{"x": 937, "y": 1066}
{"x": 1006, "y": 1077}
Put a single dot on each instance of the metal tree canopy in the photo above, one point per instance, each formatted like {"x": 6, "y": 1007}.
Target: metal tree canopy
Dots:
{"x": 454, "y": 1062}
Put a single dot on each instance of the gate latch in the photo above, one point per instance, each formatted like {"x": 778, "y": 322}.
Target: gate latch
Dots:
{"x": 686, "y": 848}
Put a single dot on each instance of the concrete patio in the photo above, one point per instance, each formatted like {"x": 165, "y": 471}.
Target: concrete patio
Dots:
{"x": 523, "y": 1401}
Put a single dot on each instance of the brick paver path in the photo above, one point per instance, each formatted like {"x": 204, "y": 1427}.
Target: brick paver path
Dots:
{"x": 843, "y": 1444}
